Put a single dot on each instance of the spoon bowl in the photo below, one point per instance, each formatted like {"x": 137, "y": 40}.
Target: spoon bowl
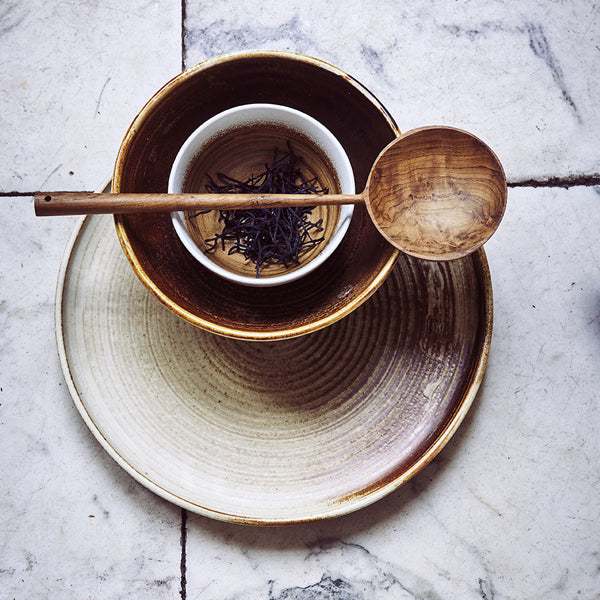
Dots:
{"x": 437, "y": 193}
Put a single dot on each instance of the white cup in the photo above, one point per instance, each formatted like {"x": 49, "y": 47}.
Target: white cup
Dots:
{"x": 280, "y": 116}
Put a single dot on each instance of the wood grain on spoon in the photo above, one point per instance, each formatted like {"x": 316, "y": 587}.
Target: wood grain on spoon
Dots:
{"x": 84, "y": 203}
{"x": 437, "y": 193}
{"x": 440, "y": 194}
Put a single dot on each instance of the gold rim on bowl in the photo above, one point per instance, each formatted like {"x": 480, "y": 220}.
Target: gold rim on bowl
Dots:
{"x": 351, "y": 275}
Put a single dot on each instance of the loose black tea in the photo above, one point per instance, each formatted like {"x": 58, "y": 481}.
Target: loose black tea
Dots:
{"x": 268, "y": 235}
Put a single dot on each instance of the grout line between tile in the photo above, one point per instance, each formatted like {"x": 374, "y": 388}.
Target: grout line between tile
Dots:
{"x": 183, "y": 535}
{"x": 183, "y": 34}
{"x": 560, "y": 182}
{"x": 183, "y": 562}
{"x": 551, "y": 182}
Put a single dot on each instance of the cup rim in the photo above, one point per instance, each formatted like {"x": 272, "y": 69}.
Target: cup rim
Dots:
{"x": 248, "y": 113}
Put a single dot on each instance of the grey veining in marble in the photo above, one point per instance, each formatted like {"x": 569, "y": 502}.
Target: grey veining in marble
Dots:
{"x": 519, "y": 75}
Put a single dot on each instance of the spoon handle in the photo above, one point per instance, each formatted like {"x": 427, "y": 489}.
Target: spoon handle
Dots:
{"x": 48, "y": 204}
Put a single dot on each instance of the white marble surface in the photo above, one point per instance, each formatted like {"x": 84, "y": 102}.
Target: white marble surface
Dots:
{"x": 518, "y": 74}
{"x": 74, "y": 75}
{"x": 509, "y": 509}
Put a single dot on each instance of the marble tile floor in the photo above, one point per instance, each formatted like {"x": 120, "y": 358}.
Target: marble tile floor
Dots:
{"x": 509, "y": 509}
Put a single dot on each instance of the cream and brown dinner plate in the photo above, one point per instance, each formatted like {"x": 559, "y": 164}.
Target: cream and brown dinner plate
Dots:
{"x": 271, "y": 432}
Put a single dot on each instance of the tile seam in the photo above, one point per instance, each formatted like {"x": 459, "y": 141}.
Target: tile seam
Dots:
{"x": 183, "y": 561}
{"x": 551, "y": 182}
{"x": 183, "y": 535}
{"x": 183, "y": 34}
{"x": 560, "y": 182}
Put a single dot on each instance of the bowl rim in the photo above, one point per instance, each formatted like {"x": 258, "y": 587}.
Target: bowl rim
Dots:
{"x": 126, "y": 244}
{"x": 345, "y": 174}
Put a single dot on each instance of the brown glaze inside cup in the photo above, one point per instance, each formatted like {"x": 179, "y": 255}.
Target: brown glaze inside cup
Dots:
{"x": 242, "y": 152}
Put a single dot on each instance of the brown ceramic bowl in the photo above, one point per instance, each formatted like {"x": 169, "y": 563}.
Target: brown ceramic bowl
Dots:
{"x": 349, "y": 276}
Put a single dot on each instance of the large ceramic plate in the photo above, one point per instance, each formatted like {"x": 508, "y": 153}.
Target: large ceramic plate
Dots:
{"x": 271, "y": 432}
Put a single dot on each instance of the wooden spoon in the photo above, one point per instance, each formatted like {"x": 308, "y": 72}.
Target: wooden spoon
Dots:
{"x": 437, "y": 193}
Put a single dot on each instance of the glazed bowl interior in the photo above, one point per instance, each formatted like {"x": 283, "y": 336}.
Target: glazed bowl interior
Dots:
{"x": 343, "y": 282}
